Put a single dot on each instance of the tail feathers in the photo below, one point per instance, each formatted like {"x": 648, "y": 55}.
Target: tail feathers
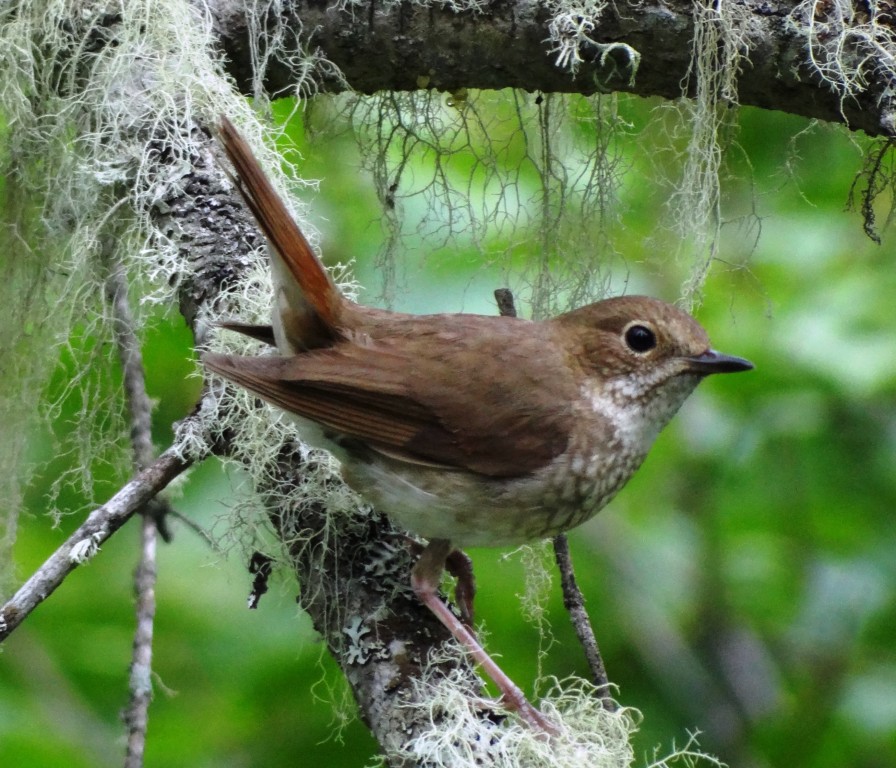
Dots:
{"x": 283, "y": 234}
{"x": 263, "y": 333}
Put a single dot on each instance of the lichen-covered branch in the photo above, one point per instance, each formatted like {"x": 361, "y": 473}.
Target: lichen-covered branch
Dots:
{"x": 136, "y": 714}
{"x": 829, "y": 60}
{"x": 89, "y": 537}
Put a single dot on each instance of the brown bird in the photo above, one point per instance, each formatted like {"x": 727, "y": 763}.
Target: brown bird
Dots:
{"x": 467, "y": 430}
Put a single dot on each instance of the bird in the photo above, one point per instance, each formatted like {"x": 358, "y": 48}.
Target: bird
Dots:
{"x": 466, "y": 430}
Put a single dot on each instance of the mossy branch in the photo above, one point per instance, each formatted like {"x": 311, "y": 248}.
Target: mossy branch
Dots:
{"x": 817, "y": 60}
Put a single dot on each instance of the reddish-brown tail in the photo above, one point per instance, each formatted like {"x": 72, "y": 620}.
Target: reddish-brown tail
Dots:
{"x": 282, "y": 232}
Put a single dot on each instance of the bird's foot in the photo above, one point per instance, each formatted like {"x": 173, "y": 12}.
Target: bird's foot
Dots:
{"x": 459, "y": 565}
{"x": 528, "y": 712}
{"x": 425, "y": 579}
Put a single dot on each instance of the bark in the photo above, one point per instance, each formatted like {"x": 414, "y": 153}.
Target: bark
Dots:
{"x": 405, "y": 46}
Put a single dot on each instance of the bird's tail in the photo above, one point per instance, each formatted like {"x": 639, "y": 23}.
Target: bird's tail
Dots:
{"x": 307, "y": 303}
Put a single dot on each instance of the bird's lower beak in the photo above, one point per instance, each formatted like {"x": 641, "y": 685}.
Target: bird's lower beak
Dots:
{"x": 715, "y": 362}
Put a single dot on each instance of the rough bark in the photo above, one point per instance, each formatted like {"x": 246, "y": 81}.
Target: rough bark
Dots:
{"x": 405, "y": 46}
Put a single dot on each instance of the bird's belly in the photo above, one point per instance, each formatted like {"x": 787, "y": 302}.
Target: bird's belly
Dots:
{"x": 475, "y": 510}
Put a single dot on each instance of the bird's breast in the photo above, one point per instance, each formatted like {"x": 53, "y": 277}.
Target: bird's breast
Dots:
{"x": 472, "y": 509}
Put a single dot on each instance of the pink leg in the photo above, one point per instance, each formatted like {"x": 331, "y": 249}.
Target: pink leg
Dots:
{"x": 425, "y": 578}
{"x": 461, "y": 567}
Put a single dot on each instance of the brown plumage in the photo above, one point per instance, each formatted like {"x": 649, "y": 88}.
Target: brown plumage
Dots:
{"x": 465, "y": 429}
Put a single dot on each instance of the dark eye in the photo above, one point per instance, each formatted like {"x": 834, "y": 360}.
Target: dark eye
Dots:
{"x": 640, "y": 338}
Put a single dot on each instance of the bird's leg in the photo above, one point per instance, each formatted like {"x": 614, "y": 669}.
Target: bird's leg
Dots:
{"x": 459, "y": 565}
{"x": 425, "y": 578}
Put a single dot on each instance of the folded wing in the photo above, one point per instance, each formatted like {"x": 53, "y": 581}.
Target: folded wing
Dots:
{"x": 495, "y": 422}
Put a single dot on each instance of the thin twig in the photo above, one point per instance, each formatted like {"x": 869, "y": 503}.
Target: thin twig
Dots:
{"x": 136, "y": 714}
{"x": 572, "y": 595}
{"x": 506, "y": 304}
{"x": 128, "y": 344}
{"x": 86, "y": 540}
{"x": 201, "y": 532}
{"x": 574, "y": 603}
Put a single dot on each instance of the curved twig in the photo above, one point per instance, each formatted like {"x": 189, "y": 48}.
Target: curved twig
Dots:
{"x": 87, "y": 539}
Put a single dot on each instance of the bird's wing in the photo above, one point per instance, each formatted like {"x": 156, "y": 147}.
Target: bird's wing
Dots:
{"x": 499, "y": 419}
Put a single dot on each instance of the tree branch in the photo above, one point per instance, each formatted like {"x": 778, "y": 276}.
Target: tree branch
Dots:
{"x": 90, "y": 535}
{"x": 410, "y": 45}
{"x": 136, "y": 714}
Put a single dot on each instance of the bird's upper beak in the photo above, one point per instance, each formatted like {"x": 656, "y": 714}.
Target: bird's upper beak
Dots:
{"x": 715, "y": 362}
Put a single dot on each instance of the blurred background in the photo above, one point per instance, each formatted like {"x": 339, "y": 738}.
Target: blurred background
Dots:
{"x": 743, "y": 585}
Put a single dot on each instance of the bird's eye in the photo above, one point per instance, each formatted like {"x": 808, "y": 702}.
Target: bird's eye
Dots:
{"x": 640, "y": 338}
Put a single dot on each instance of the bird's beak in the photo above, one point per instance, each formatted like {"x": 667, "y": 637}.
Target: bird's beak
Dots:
{"x": 715, "y": 362}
